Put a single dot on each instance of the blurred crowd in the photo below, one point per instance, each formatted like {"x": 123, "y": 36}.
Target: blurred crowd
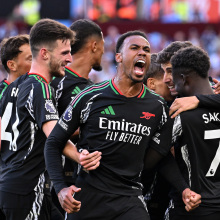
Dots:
{"x": 209, "y": 40}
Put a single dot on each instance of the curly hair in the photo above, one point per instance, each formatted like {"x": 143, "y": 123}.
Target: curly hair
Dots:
{"x": 165, "y": 55}
{"x": 128, "y": 34}
{"x": 191, "y": 60}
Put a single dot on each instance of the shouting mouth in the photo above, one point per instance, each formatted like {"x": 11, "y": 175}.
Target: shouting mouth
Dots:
{"x": 139, "y": 67}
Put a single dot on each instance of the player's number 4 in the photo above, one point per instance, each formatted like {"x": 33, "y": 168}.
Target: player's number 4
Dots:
{"x": 7, "y": 136}
{"x": 213, "y": 134}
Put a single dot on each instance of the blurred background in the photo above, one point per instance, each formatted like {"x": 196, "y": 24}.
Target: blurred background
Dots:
{"x": 163, "y": 21}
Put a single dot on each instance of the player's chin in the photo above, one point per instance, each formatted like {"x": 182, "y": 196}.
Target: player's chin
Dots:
{"x": 97, "y": 67}
{"x": 60, "y": 73}
{"x": 138, "y": 79}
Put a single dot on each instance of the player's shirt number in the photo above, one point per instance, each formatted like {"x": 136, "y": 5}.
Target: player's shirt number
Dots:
{"x": 7, "y": 136}
{"x": 213, "y": 134}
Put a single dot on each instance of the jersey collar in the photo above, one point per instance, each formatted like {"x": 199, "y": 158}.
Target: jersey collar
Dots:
{"x": 119, "y": 92}
{"x": 6, "y": 81}
{"x": 40, "y": 76}
{"x": 72, "y": 71}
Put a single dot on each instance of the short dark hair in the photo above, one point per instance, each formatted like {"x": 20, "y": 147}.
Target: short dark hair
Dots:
{"x": 165, "y": 55}
{"x": 191, "y": 60}
{"x": 125, "y": 35}
{"x": 155, "y": 70}
{"x": 10, "y": 48}
{"x": 46, "y": 32}
{"x": 84, "y": 29}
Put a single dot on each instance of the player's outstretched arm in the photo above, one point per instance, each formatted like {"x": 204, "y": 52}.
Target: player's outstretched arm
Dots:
{"x": 67, "y": 201}
{"x": 89, "y": 161}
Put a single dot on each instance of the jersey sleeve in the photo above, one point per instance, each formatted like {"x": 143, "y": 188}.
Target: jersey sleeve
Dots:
{"x": 210, "y": 101}
{"x": 56, "y": 141}
{"x": 41, "y": 104}
{"x": 169, "y": 169}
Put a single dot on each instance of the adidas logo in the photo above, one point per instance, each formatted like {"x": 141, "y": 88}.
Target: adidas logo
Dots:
{"x": 108, "y": 111}
{"x": 76, "y": 90}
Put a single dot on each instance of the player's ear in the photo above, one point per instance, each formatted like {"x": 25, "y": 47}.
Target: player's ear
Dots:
{"x": 12, "y": 66}
{"x": 118, "y": 57}
{"x": 185, "y": 79}
{"x": 151, "y": 83}
{"x": 44, "y": 53}
{"x": 94, "y": 46}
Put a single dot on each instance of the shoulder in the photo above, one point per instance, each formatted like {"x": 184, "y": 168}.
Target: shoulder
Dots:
{"x": 153, "y": 94}
{"x": 36, "y": 85}
{"x": 94, "y": 91}
{"x": 4, "y": 84}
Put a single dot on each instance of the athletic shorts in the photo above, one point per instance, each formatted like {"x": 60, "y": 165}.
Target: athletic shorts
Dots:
{"x": 32, "y": 206}
{"x": 99, "y": 205}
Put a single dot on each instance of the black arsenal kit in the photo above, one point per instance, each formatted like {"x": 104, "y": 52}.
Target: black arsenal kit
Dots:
{"x": 27, "y": 104}
{"x": 3, "y": 86}
{"x": 67, "y": 87}
{"x": 197, "y": 152}
{"x": 121, "y": 128}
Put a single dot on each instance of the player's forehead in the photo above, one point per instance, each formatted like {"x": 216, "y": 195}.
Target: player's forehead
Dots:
{"x": 166, "y": 66}
{"x": 136, "y": 40}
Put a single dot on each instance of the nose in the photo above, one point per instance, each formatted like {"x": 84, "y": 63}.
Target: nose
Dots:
{"x": 69, "y": 58}
{"x": 166, "y": 77}
{"x": 142, "y": 52}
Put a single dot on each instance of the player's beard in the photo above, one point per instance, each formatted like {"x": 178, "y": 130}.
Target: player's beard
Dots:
{"x": 55, "y": 69}
{"x": 97, "y": 67}
{"x": 136, "y": 80}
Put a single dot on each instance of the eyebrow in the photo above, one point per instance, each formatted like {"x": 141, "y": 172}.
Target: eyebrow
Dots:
{"x": 137, "y": 45}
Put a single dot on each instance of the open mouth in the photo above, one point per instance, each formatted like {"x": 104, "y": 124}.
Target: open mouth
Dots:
{"x": 139, "y": 67}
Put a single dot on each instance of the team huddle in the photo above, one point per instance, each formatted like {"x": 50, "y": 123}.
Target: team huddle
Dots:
{"x": 142, "y": 145}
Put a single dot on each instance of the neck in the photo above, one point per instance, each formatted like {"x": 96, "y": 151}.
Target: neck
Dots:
{"x": 12, "y": 77}
{"x": 41, "y": 69}
{"x": 81, "y": 65}
{"x": 201, "y": 87}
{"x": 127, "y": 87}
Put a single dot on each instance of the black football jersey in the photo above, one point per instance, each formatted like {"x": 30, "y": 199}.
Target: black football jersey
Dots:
{"x": 197, "y": 152}
{"x": 121, "y": 128}
{"x": 209, "y": 101}
{"x": 68, "y": 87}
{"x": 3, "y": 86}
{"x": 27, "y": 104}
